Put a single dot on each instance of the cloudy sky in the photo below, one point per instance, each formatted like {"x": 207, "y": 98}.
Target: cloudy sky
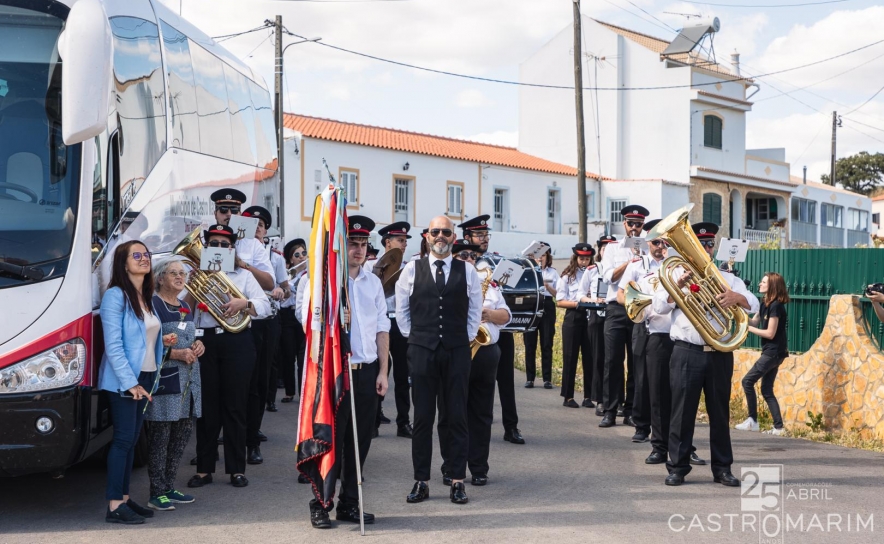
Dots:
{"x": 489, "y": 38}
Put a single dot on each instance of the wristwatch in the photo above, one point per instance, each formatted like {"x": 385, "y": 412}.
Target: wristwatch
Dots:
{"x": 249, "y": 305}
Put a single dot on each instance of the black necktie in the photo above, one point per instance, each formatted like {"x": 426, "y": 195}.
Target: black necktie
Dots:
{"x": 440, "y": 275}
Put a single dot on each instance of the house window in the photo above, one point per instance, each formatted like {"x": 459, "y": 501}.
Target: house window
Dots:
{"x": 501, "y": 210}
{"x": 712, "y": 131}
{"x": 858, "y": 220}
{"x": 403, "y": 196}
{"x": 553, "y": 212}
{"x": 712, "y": 208}
{"x": 590, "y": 204}
{"x": 350, "y": 182}
{"x": 803, "y": 211}
{"x": 876, "y": 218}
{"x": 615, "y": 215}
{"x": 455, "y": 199}
{"x": 830, "y": 215}
{"x": 766, "y": 209}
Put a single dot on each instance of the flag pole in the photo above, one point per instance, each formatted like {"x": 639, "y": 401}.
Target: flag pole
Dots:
{"x": 356, "y": 448}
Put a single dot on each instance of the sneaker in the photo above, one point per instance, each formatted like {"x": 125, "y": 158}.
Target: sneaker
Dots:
{"x": 123, "y": 514}
{"x": 178, "y": 497}
{"x": 748, "y": 425}
{"x": 775, "y": 431}
{"x": 161, "y": 503}
{"x": 138, "y": 509}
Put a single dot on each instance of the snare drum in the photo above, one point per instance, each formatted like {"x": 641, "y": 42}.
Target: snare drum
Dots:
{"x": 525, "y": 299}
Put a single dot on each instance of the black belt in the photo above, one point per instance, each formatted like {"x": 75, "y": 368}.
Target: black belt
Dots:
{"x": 361, "y": 366}
{"x": 666, "y": 334}
{"x": 693, "y": 347}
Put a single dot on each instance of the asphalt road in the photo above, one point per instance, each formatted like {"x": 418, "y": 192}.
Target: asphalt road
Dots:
{"x": 572, "y": 480}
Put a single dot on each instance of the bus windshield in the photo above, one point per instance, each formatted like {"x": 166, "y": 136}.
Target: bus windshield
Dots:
{"x": 39, "y": 174}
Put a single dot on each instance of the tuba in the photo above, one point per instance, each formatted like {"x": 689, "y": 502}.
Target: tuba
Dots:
{"x": 483, "y": 337}
{"x": 724, "y": 329}
{"x": 211, "y": 288}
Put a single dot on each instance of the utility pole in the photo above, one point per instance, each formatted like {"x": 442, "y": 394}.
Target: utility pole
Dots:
{"x": 834, "y": 141}
{"x": 280, "y": 127}
{"x": 581, "y": 143}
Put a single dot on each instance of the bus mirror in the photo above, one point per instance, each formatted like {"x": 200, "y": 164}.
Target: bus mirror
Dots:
{"x": 86, "y": 50}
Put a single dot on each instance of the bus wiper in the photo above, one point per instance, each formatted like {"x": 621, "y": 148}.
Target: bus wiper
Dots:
{"x": 26, "y": 272}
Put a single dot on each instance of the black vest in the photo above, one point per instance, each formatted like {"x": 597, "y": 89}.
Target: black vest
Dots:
{"x": 439, "y": 318}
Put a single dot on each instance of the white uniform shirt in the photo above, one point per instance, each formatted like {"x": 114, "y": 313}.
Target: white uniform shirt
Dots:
{"x": 277, "y": 261}
{"x": 681, "y": 325}
{"x": 253, "y": 253}
{"x": 368, "y": 316}
{"x": 616, "y": 254}
{"x": 302, "y": 299}
{"x": 292, "y": 301}
{"x": 494, "y": 301}
{"x": 405, "y": 286}
{"x": 568, "y": 286}
{"x": 550, "y": 277}
{"x": 639, "y": 269}
{"x": 656, "y": 322}
{"x": 248, "y": 285}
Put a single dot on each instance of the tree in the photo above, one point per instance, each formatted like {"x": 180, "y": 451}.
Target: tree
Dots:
{"x": 862, "y": 173}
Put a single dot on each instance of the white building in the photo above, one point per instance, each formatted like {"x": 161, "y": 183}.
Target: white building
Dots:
{"x": 689, "y": 136}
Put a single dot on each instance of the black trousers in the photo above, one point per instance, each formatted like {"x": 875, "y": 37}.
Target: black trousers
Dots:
{"x": 764, "y": 369}
{"x": 366, "y": 397}
{"x": 596, "y": 335}
{"x": 401, "y": 387}
{"x": 266, "y": 334}
{"x": 506, "y": 386}
{"x": 446, "y": 374}
{"x": 291, "y": 353}
{"x": 692, "y": 371}
{"x": 659, "y": 353}
{"x": 480, "y": 412}
{"x": 618, "y": 346}
{"x": 225, "y": 371}
{"x": 546, "y": 331}
{"x": 641, "y": 404}
{"x": 575, "y": 343}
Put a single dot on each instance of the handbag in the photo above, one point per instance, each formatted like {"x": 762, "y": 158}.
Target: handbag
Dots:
{"x": 170, "y": 383}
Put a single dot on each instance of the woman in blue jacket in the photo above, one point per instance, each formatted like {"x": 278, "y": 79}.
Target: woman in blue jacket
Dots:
{"x": 133, "y": 350}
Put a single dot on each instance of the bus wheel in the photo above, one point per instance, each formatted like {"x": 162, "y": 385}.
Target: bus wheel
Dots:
{"x": 142, "y": 447}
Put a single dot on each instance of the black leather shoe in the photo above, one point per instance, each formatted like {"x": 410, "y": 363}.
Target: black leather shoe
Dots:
{"x": 695, "y": 459}
{"x": 639, "y": 437}
{"x": 571, "y": 403}
{"x": 351, "y": 514}
{"x": 239, "y": 480}
{"x": 599, "y": 411}
{"x": 607, "y": 421}
{"x": 303, "y": 479}
{"x": 728, "y": 479}
{"x": 271, "y": 407}
{"x": 547, "y": 385}
{"x": 319, "y": 519}
{"x": 459, "y": 493}
{"x": 513, "y": 436}
{"x": 620, "y": 412}
{"x": 261, "y": 436}
{"x": 199, "y": 481}
{"x": 374, "y": 433}
{"x": 405, "y": 431}
{"x": 674, "y": 479}
{"x": 286, "y": 400}
{"x": 420, "y": 492}
{"x": 655, "y": 458}
{"x": 255, "y": 457}
{"x": 384, "y": 419}
{"x": 629, "y": 421}
{"x": 588, "y": 403}
{"x": 529, "y": 384}
{"x": 446, "y": 480}
{"x": 193, "y": 462}
{"x": 479, "y": 480}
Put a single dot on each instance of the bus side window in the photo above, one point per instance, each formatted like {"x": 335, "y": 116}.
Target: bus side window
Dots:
{"x": 113, "y": 176}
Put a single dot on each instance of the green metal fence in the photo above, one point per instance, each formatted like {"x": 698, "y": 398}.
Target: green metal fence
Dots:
{"x": 813, "y": 276}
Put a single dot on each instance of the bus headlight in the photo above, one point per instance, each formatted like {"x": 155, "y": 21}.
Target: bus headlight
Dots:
{"x": 58, "y": 367}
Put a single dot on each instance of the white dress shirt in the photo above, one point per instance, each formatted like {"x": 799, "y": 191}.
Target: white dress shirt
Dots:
{"x": 277, "y": 261}
{"x": 639, "y": 269}
{"x": 248, "y": 286}
{"x": 302, "y": 299}
{"x": 568, "y": 286}
{"x": 593, "y": 286}
{"x": 253, "y": 253}
{"x": 405, "y": 286}
{"x": 550, "y": 276}
{"x": 681, "y": 325}
{"x": 656, "y": 322}
{"x": 292, "y": 301}
{"x": 368, "y": 316}
{"x": 615, "y": 255}
{"x": 494, "y": 301}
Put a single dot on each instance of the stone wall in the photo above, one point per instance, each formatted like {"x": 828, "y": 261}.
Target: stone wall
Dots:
{"x": 841, "y": 376}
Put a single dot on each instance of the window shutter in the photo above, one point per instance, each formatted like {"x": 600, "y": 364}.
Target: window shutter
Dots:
{"x": 712, "y": 208}
{"x": 707, "y": 131}
{"x": 712, "y": 131}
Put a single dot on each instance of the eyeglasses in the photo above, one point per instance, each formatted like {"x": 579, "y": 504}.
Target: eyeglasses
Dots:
{"x": 481, "y": 236}
{"x": 467, "y": 255}
{"x": 216, "y": 243}
{"x": 658, "y": 243}
{"x": 708, "y": 243}
{"x": 138, "y": 255}
{"x": 299, "y": 254}
{"x": 229, "y": 209}
{"x": 444, "y": 232}
{"x": 635, "y": 224}
{"x": 175, "y": 274}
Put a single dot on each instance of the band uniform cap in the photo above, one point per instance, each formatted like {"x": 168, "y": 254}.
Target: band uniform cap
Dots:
{"x": 634, "y": 211}
{"x": 220, "y": 230}
{"x": 373, "y": 251}
{"x": 463, "y": 245}
{"x": 261, "y": 213}
{"x": 291, "y": 245}
{"x": 228, "y": 196}
{"x": 399, "y": 228}
{"x": 359, "y": 226}
{"x": 583, "y": 250}
{"x": 606, "y": 239}
{"x": 425, "y": 231}
{"x": 480, "y": 222}
{"x": 650, "y": 224}
{"x": 705, "y": 229}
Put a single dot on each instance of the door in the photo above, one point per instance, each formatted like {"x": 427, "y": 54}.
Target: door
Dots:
{"x": 553, "y": 212}
{"x": 501, "y": 212}
{"x": 402, "y": 200}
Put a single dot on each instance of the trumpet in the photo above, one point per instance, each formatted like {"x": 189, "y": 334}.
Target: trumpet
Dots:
{"x": 295, "y": 270}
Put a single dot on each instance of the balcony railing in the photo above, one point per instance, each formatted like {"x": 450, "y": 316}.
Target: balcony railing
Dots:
{"x": 857, "y": 238}
{"x": 831, "y": 236}
{"x": 758, "y": 237}
{"x": 804, "y": 232}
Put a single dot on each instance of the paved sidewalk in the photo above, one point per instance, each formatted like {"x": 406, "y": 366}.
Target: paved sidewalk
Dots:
{"x": 572, "y": 480}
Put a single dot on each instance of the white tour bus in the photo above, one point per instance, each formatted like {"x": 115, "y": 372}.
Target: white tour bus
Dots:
{"x": 118, "y": 119}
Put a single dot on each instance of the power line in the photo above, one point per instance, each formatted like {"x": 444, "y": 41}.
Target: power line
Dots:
{"x": 637, "y": 15}
{"x": 867, "y": 101}
{"x": 766, "y": 5}
{"x": 651, "y": 15}
{"x": 229, "y": 36}
{"x": 824, "y": 80}
{"x": 269, "y": 35}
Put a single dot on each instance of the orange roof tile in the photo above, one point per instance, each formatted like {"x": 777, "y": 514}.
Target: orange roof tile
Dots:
{"x": 425, "y": 144}
{"x": 821, "y": 185}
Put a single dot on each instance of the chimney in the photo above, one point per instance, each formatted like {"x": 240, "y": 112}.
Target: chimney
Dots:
{"x": 805, "y": 174}
{"x": 735, "y": 62}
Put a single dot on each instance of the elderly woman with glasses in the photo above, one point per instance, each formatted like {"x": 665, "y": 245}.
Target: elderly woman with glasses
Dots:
{"x": 177, "y": 402}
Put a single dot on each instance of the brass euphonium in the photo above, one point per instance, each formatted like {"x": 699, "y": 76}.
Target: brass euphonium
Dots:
{"x": 483, "y": 337}
{"x": 211, "y": 288}
{"x": 724, "y": 329}
{"x": 637, "y": 300}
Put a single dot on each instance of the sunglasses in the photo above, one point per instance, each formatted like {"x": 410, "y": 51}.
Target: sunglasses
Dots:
{"x": 444, "y": 232}
{"x": 658, "y": 243}
{"x": 635, "y": 224}
{"x": 138, "y": 255}
{"x": 229, "y": 209}
{"x": 216, "y": 243}
{"x": 708, "y": 243}
{"x": 467, "y": 255}
{"x": 299, "y": 254}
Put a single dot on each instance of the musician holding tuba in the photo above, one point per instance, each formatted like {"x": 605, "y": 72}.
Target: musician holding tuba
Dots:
{"x": 696, "y": 366}
{"x": 225, "y": 372}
